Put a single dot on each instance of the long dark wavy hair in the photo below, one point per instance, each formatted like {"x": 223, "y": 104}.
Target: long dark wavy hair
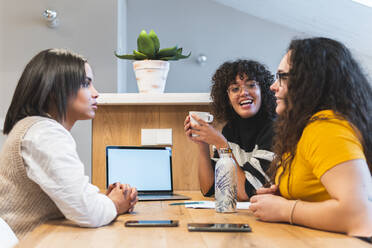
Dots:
{"x": 323, "y": 75}
{"x": 53, "y": 76}
{"x": 226, "y": 75}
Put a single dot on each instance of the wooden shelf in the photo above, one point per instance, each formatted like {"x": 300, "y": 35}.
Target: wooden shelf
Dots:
{"x": 154, "y": 99}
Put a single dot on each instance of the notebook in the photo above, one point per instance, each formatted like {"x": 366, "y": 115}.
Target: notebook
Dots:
{"x": 149, "y": 169}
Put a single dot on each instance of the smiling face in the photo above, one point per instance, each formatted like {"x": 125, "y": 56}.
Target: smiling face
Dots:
{"x": 280, "y": 85}
{"x": 245, "y": 96}
{"x": 84, "y": 105}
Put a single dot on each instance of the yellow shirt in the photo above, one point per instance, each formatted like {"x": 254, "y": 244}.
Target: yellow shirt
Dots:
{"x": 323, "y": 145}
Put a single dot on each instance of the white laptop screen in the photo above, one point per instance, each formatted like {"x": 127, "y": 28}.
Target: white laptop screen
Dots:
{"x": 146, "y": 168}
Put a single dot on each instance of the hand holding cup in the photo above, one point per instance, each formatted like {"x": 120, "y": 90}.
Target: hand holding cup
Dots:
{"x": 199, "y": 131}
{"x": 204, "y": 116}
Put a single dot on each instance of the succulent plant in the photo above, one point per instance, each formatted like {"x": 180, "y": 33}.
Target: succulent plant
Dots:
{"x": 148, "y": 47}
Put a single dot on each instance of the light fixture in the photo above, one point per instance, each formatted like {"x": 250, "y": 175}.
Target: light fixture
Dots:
{"x": 51, "y": 18}
{"x": 201, "y": 59}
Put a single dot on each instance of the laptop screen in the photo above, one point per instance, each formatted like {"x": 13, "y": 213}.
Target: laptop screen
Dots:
{"x": 149, "y": 169}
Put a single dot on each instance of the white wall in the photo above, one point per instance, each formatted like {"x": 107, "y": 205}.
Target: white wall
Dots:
{"x": 86, "y": 26}
{"x": 365, "y": 62}
{"x": 89, "y": 27}
{"x": 204, "y": 26}
{"x": 2, "y": 137}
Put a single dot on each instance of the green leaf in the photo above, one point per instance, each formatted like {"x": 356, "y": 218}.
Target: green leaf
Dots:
{"x": 167, "y": 52}
{"x": 181, "y": 56}
{"x": 125, "y": 56}
{"x": 139, "y": 55}
{"x": 155, "y": 40}
{"x": 146, "y": 45}
{"x": 168, "y": 58}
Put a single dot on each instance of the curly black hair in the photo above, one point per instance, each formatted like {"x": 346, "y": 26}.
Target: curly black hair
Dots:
{"x": 323, "y": 75}
{"x": 226, "y": 75}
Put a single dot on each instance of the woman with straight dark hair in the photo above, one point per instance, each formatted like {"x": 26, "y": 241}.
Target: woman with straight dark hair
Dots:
{"x": 243, "y": 101}
{"x": 41, "y": 175}
{"x": 323, "y": 141}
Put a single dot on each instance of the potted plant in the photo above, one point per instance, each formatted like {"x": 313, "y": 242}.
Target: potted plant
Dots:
{"x": 151, "y": 64}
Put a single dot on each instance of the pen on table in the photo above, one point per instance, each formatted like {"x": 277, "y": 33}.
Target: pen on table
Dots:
{"x": 184, "y": 203}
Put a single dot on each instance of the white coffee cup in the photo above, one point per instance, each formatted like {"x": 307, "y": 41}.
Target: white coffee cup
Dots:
{"x": 205, "y": 116}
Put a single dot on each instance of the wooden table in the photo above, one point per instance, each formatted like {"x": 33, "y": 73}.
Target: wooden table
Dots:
{"x": 63, "y": 233}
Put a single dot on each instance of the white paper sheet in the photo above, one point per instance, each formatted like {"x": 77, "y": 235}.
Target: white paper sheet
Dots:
{"x": 211, "y": 204}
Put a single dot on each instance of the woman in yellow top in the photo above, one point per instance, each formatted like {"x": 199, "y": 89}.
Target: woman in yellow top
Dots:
{"x": 323, "y": 141}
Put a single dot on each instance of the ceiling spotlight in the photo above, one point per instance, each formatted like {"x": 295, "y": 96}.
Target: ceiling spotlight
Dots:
{"x": 51, "y": 18}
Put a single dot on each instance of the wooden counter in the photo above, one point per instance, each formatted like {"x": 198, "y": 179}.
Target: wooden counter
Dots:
{"x": 120, "y": 118}
{"x": 62, "y": 233}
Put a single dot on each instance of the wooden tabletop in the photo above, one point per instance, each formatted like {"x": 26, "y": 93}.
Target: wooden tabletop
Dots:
{"x": 63, "y": 233}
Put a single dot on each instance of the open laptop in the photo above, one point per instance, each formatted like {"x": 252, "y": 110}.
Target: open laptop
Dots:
{"x": 149, "y": 169}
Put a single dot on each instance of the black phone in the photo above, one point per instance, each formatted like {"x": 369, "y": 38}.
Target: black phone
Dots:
{"x": 218, "y": 227}
{"x": 151, "y": 223}
{"x": 367, "y": 239}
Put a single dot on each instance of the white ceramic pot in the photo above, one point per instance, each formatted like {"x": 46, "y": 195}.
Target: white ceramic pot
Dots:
{"x": 151, "y": 75}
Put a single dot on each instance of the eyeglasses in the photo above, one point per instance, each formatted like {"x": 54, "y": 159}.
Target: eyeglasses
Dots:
{"x": 236, "y": 89}
{"x": 281, "y": 76}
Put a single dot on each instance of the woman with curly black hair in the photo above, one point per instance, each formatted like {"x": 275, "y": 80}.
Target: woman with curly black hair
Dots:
{"x": 242, "y": 99}
{"x": 323, "y": 141}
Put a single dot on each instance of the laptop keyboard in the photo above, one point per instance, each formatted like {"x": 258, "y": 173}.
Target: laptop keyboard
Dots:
{"x": 156, "y": 195}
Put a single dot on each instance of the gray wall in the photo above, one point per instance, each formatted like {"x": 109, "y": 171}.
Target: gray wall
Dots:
{"x": 89, "y": 27}
{"x": 365, "y": 62}
{"x": 204, "y": 26}
{"x": 86, "y": 26}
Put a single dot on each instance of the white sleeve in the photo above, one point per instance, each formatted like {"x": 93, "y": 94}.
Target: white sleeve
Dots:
{"x": 51, "y": 160}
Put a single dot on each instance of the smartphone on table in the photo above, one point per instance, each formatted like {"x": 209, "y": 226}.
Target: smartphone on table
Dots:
{"x": 151, "y": 223}
{"x": 218, "y": 227}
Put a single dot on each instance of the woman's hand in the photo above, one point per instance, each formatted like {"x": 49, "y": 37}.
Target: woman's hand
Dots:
{"x": 187, "y": 128}
{"x": 110, "y": 188}
{"x": 132, "y": 192}
{"x": 205, "y": 133}
{"x": 188, "y": 131}
{"x": 123, "y": 196}
{"x": 273, "y": 190}
{"x": 133, "y": 199}
{"x": 272, "y": 208}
